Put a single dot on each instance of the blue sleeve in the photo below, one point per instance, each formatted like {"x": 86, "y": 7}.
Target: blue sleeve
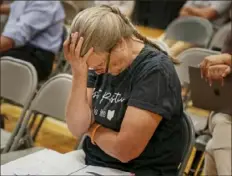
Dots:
{"x": 37, "y": 16}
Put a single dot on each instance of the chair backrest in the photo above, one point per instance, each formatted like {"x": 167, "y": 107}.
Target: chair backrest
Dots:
{"x": 189, "y": 140}
{"x": 220, "y": 37}
{"x": 193, "y": 30}
{"x": 52, "y": 97}
{"x": 161, "y": 44}
{"x": 18, "y": 80}
{"x": 191, "y": 57}
{"x": 81, "y": 143}
{"x": 71, "y": 10}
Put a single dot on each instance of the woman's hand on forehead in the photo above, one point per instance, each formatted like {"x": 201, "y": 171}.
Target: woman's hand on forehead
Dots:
{"x": 72, "y": 51}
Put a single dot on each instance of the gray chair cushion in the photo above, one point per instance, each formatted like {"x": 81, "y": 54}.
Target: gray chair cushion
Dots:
{"x": 199, "y": 122}
{"x": 201, "y": 142}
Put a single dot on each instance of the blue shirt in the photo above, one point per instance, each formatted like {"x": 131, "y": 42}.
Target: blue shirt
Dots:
{"x": 39, "y": 23}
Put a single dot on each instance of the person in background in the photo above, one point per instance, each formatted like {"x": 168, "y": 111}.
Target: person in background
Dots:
{"x": 214, "y": 11}
{"x": 3, "y": 14}
{"x": 126, "y": 7}
{"x": 33, "y": 33}
{"x": 218, "y": 149}
{"x": 129, "y": 104}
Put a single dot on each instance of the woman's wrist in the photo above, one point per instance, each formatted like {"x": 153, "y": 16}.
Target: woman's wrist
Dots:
{"x": 80, "y": 75}
{"x": 93, "y": 132}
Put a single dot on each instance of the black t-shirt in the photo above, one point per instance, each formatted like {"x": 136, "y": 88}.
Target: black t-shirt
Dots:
{"x": 150, "y": 83}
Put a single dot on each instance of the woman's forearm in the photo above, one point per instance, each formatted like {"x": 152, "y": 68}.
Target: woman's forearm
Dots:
{"x": 106, "y": 139}
{"x": 78, "y": 112}
{"x": 109, "y": 141}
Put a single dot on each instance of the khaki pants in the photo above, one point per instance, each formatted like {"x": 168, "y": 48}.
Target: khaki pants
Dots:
{"x": 218, "y": 149}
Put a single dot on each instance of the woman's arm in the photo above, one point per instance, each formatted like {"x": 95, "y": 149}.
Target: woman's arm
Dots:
{"x": 78, "y": 110}
{"x": 137, "y": 128}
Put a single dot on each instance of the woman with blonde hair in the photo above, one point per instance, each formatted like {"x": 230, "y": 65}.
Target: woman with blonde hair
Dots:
{"x": 129, "y": 103}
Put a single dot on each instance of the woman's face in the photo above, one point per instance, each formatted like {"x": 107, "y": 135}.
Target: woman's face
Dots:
{"x": 98, "y": 62}
{"x": 118, "y": 60}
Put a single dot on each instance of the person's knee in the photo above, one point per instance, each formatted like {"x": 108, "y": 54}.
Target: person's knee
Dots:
{"x": 221, "y": 118}
{"x": 209, "y": 148}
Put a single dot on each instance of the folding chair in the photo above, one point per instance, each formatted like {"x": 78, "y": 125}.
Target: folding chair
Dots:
{"x": 192, "y": 57}
{"x": 50, "y": 101}
{"x": 71, "y": 9}
{"x": 60, "y": 61}
{"x": 189, "y": 138}
{"x": 220, "y": 37}
{"x": 18, "y": 85}
{"x": 193, "y": 30}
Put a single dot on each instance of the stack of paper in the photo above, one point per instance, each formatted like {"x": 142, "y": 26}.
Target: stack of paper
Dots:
{"x": 49, "y": 162}
{"x": 44, "y": 162}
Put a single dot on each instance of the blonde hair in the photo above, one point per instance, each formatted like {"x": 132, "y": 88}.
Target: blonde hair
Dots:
{"x": 102, "y": 27}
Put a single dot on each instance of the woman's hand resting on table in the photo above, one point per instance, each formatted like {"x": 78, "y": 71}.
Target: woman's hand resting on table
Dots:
{"x": 72, "y": 52}
{"x": 216, "y": 67}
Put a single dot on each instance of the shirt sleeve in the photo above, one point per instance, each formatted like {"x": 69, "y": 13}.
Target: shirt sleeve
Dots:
{"x": 37, "y": 16}
{"x": 92, "y": 77}
{"x": 221, "y": 6}
{"x": 153, "y": 93}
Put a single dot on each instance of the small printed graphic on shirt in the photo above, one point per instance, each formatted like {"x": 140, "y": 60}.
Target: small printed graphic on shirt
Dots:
{"x": 112, "y": 98}
{"x": 110, "y": 114}
{"x": 102, "y": 113}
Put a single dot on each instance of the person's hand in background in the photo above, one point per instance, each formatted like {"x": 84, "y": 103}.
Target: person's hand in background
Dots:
{"x": 216, "y": 67}
{"x": 217, "y": 72}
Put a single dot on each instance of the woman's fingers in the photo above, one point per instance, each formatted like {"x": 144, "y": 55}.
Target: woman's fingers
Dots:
{"x": 73, "y": 43}
{"x": 78, "y": 47}
{"x": 72, "y": 48}
{"x": 227, "y": 71}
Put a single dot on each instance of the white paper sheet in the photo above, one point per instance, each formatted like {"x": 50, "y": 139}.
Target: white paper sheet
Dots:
{"x": 49, "y": 162}
{"x": 101, "y": 171}
{"x": 45, "y": 162}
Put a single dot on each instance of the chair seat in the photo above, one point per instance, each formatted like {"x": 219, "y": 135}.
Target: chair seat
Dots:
{"x": 201, "y": 142}
{"x": 199, "y": 122}
{"x": 11, "y": 156}
{"x": 5, "y": 136}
